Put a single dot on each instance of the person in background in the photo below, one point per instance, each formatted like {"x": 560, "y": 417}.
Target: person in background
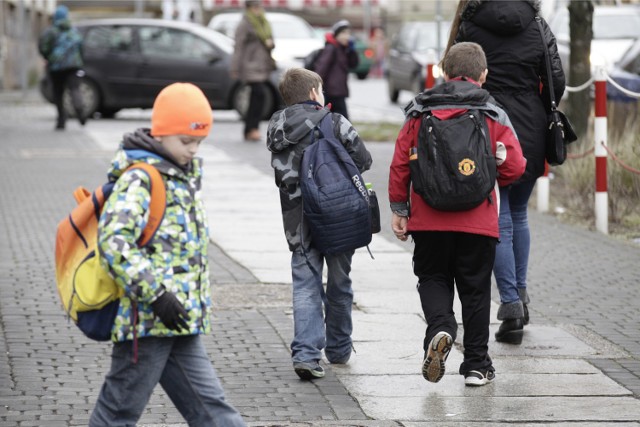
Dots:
{"x": 380, "y": 48}
{"x": 333, "y": 66}
{"x": 509, "y": 35}
{"x": 252, "y": 63}
{"x": 61, "y": 46}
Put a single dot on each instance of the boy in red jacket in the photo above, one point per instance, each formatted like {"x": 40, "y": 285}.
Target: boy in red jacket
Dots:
{"x": 454, "y": 246}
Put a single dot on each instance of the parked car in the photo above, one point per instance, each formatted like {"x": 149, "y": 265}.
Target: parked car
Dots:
{"x": 294, "y": 38}
{"x": 614, "y": 30}
{"x": 128, "y": 61}
{"x": 413, "y": 47}
{"x": 365, "y": 53}
{"x": 626, "y": 73}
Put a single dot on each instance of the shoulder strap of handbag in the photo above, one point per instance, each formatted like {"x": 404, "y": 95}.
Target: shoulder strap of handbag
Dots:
{"x": 547, "y": 62}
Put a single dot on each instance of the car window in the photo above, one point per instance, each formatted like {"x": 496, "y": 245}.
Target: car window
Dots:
{"x": 625, "y": 25}
{"x": 291, "y": 29}
{"x": 616, "y": 27}
{"x": 283, "y": 27}
{"x": 427, "y": 37}
{"x": 404, "y": 40}
{"x": 226, "y": 27}
{"x": 109, "y": 38}
{"x": 172, "y": 43}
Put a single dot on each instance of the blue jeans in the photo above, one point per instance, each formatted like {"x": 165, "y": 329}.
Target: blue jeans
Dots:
{"x": 183, "y": 369}
{"x": 512, "y": 252}
{"x": 310, "y": 335}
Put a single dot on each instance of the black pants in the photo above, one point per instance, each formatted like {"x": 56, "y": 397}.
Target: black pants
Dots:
{"x": 61, "y": 80}
{"x": 256, "y": 104}
{"x": 338, "y": 104}
{"x": 441, "y": 259}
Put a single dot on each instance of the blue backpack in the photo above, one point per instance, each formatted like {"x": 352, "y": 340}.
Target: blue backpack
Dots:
{"x": 335, "y": 201}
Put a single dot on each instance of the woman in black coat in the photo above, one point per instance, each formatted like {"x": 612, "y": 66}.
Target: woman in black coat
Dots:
{"x": 510, "y": 37}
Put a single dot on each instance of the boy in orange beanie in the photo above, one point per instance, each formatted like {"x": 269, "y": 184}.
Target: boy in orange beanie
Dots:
{"x": 166, "y": 304}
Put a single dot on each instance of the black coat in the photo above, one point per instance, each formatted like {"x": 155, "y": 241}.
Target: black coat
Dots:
{"x": 333, "y": 66}
{"x": 509, "y": 35}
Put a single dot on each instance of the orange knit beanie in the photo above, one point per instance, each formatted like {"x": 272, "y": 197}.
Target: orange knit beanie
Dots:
{"x": 181, "y": 109}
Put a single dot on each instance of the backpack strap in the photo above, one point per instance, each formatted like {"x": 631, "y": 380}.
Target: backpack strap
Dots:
{"x": 158, "y": 202}
{"x": 326, "y": 125}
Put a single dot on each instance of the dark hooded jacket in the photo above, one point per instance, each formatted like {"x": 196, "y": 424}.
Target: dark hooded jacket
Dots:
{"x": 509, "y": 35}
{"x": 333, "y": 66}
{"x": 289, "y": 133}
{"x": 61, "y": 45}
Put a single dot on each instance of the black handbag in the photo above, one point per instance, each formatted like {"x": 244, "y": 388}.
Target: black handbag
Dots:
{"x": 560, "y": 133}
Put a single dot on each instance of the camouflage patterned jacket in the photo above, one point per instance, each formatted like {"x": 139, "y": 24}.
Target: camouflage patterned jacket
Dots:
{"x": 175, "y": 259}
{"x": 289, "y": 133}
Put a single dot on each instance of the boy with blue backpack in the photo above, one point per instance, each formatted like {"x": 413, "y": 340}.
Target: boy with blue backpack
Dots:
{"x": 293, "y": 133}
{"x": 455, "y": 147}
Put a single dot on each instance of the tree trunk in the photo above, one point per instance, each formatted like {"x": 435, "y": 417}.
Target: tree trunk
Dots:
{"x": 581, "y": 33}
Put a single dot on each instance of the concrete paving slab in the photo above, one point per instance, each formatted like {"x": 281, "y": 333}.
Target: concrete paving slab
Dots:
{"x": 528, "y": 365}
{"x": 542, "y": 341}
{"x": 485, "y": 409}
{"x": 514, "y": 385}
{"x": 387, "y": 327}
{"x": 399, "y": 357}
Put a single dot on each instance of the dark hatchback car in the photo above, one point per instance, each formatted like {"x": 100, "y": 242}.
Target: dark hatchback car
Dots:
{"x": 128, "y": 61}
{"x": 412, "y": 48}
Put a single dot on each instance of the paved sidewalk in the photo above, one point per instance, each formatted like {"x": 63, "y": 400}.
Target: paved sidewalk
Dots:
{"x": 579, "y": 363}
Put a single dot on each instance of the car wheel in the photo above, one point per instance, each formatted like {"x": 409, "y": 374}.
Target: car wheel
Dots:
{"x": 241, "y": 97}
{"x": 90, "y": 96}
{"x": 393, "y": 92}
{"x": 362, "y": 75}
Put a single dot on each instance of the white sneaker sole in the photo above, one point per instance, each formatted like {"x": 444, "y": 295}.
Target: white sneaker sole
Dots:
{"x": 433, "y": 367}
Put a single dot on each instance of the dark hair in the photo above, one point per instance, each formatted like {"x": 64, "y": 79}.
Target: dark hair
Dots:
{"x": 296, "y": 84}
{"x": 464, "y": 59}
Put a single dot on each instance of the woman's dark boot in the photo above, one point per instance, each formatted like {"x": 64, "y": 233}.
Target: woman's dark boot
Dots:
{"x": 512, "y": 328}
{"x": 510, "y": 331}
{"x": 524, "y": 297}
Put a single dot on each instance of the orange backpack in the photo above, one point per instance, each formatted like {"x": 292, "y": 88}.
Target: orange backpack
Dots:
{"x": 89, "y": 295}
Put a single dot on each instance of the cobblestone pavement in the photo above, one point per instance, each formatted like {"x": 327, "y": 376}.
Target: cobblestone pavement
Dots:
{"x": 50, "y": 374}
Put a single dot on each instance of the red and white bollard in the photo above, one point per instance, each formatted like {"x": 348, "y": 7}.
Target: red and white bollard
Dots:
{"x": 600, "y": 137}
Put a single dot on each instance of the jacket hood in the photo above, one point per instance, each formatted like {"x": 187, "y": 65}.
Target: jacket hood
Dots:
{"x": 501, "y": 17}
{"x": 331, "y": 39}
{"x": 140, "y": 146}
{"x": 293, "y": 123}
{"x": 456, "y": 92}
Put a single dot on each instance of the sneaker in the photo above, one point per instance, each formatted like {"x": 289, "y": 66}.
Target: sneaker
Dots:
{"x": 308, "y": 370}
{"x": 437, "y": 353}
{"x": 479, "y": 378}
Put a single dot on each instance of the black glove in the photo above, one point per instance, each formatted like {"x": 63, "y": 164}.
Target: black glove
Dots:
{"x": 171, "y": 312}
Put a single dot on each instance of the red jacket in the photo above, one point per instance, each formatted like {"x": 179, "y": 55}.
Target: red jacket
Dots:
{"x": 482, "y": 219}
